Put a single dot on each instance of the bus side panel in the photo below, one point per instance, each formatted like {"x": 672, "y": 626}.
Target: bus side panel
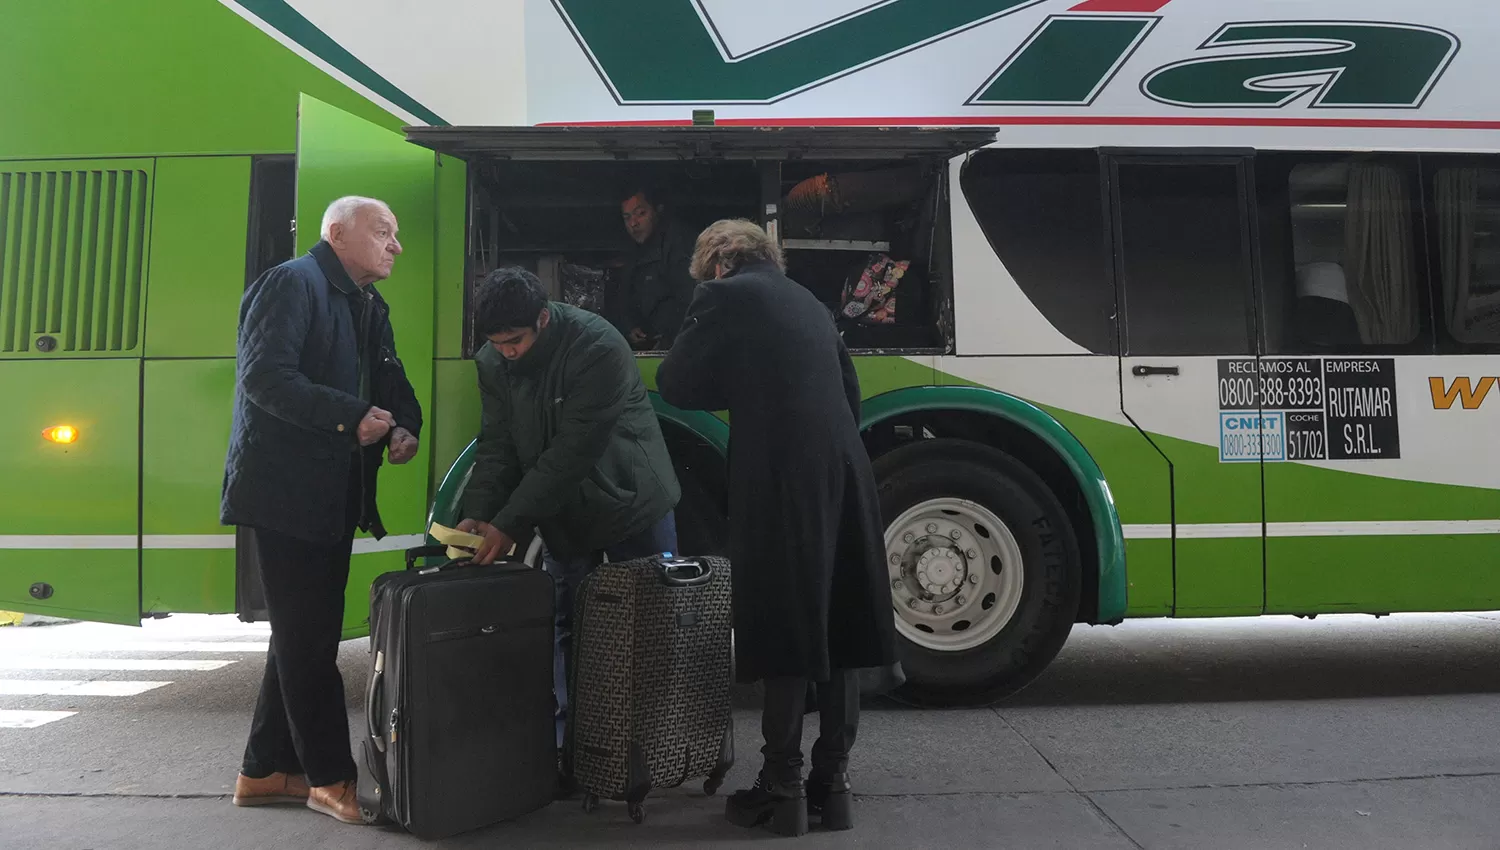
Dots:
{"x": 69, "y": 513}
{"x": 200, "y": 222}
{"x": 456, "y": 390}
{"x": 197, "y": 279}
{"x": 1383, "y": 541}
{"x": 187, "y": 557}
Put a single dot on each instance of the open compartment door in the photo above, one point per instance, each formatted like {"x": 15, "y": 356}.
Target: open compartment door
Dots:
{"x": 339, "y": 154}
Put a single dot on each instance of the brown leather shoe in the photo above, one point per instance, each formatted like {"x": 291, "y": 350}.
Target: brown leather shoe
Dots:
{"x": 337, "y": 801}
{"x": 276, "y": 788}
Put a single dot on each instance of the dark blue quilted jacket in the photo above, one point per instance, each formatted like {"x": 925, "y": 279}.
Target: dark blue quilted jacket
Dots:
{"x": 298, "y": 404}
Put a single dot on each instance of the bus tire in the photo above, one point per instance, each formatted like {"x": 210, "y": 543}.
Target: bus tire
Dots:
{"x": 972, "y": 625}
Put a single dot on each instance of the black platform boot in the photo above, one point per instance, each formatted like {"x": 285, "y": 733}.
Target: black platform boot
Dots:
{"x": 778, "y": 798}
{"x": 830, "y": 799}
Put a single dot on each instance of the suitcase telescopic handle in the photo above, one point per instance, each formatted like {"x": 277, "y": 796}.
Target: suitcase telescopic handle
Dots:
{"x": 685, "y": 572}
{"x": 372, "y": 700}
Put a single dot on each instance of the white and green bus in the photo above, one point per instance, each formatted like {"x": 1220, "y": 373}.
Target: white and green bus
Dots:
{"x": 1199, "y": 312}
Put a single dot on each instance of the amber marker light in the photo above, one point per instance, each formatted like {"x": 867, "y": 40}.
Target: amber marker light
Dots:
{"x": 61, "y": 434}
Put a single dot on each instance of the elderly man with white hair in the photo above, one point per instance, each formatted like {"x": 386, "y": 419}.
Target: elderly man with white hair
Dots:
{"x": 320, "y": 395}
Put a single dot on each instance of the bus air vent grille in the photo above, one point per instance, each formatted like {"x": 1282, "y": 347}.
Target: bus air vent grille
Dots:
{"x": 72, "y": 259}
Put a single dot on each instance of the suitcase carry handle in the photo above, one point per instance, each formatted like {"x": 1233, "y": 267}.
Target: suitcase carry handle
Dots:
{"x": 698, "y": 572}
{"x": 372, "y": 700}
{"x": 423, "y": 552}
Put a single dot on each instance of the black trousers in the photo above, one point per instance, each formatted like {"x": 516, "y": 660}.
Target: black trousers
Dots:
{"x": 301, "y": 724}
{"x": 838, "y": 722}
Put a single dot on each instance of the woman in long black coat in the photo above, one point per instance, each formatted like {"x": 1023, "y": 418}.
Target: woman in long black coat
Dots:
{"x": 812, "y": 599}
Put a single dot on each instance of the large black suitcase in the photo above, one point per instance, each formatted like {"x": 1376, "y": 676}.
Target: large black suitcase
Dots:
{"x": 459, "y": 705}
{"x": 652, "y": 662}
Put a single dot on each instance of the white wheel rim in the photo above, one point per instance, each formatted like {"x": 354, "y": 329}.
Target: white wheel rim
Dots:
{"x": 956, "y": 574}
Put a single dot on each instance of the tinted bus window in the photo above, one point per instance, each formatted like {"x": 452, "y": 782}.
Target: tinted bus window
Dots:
{"x": 1185, "y": 272}
{"x": 1043, "y": 213}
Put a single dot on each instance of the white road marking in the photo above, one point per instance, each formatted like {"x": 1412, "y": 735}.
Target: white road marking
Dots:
{"x": 34, "y": 663}
{"x": 59, "y": 687}
{"x": 15, "y": 719}
{"x": 101, "y": 645}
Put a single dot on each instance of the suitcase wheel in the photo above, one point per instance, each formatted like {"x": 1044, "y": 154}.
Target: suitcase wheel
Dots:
{"x": 638, "y": 812}
{"x": 590, "y": 802}
{"x": 711, "y": 785}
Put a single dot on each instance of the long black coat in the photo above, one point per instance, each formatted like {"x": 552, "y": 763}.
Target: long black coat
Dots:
{"x": 811, "y": 592}
{"x": 297, "y": 400}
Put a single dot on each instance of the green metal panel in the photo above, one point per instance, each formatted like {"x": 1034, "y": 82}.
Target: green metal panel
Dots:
{"x": 1317, "y": 575}
{"x": 82, "y": 498}
{"x": 456, "y": 416}
{"x": 198, "y": 581}
{"x": 184, "y": 436}
{"x": 1379, "y": 573}
{"x": 1106, "y": 529}
{"x": 199, "y": 227}
{"x": 1214, "y": 577}
{"x": 73, "y": 242}
{"x": 340, "y": 154}
{"x": 187, "y": 76}
{"x": 1151, "y": 593}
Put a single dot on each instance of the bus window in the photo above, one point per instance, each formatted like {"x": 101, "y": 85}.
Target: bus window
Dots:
{"x": 1043, "y": 214}
{"x": 1184, "y": 265}
{"x": 1464, "y": 220}
{"x": 1341, "y": 260}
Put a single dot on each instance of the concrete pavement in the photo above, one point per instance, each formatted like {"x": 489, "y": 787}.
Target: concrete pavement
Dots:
{"x": 1272, "y": 733}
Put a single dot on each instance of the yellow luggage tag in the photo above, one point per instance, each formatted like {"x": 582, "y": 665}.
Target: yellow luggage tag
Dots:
{"x": 461, "y": 544}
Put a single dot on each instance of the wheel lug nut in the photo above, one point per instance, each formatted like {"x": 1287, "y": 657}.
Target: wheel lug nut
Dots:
{"x": 973, "y": 579}
{"x": 973, "y": 554}
{"x": 895, "y": 584}
{"x": 895, "y": 560}
{"x": 911, "y": 603}
{"x": 955, "y": 534}
{"x": 960, "y": 600}
{"x": 908, "y": 537}
{"x": 937, "y": 609}
{"x": 932, "y": 528}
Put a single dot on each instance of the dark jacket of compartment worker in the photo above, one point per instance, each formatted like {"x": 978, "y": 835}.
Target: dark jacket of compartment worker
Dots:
{"x": 655, "y": 286}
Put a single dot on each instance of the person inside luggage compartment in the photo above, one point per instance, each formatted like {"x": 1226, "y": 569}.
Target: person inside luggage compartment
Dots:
{"x": 812, "y": 599}
{"x": 319, "y": 396}
{"x": 655, "y": 287}
{"x": 568, "y": 445}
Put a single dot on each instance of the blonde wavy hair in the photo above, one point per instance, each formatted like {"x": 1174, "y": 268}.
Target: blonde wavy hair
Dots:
{"x": 734, "y": 243}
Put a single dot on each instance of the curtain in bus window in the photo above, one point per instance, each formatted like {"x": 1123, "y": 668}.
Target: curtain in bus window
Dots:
{"x": 1471, "y": 298}
{"x": 1378, "y": 250}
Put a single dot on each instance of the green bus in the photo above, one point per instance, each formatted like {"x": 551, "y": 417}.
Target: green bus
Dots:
{"x": 1106, "y": 214}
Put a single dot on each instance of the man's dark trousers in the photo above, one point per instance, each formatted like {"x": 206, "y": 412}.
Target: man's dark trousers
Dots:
{"x": 301, "y": 724}
{"x": 569, "y": 573}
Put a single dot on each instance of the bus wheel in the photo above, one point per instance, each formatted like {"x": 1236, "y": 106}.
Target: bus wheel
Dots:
{"x": 985, "y": 571}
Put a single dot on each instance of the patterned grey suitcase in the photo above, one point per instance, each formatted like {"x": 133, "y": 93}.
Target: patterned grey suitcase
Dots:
{"x": 652, "y": 664}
